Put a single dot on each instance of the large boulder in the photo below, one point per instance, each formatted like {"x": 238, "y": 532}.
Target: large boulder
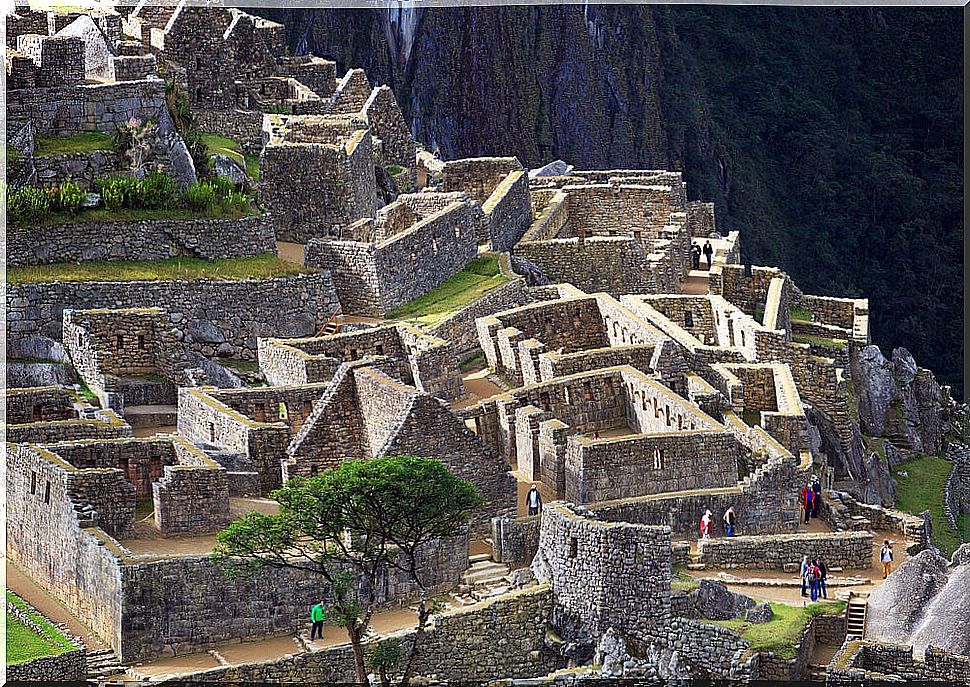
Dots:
{"x": 225, "y": 166}
{"x": 716, "y": 602}
{"x": 898, "y": 606}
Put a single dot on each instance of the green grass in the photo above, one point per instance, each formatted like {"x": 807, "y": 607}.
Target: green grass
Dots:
{"x": 13, "y": 155}
{"x": 86, "y": 142}
{"x": 680, "y": 581}
{"x": 476, "y": 361}
{"x": 85, "y": 391}
{"x": 181, "y": 268}
{"x": 803, "y": 314}
{"x": 825, "y": 342}
{"x": 102, "y": 215}
{"x": 239, "y": 364}
{"x": 782, "y": 633}
{"x": 922, "y": 489}
{"x": 144, "y": 508}
{"x": 217, "y": 144}
{"x": 759, "y": 313}
{"x": 24, "y": 644}
{"x": 751, "y": 417}
{"x": 480, "y": 276}
{"x": 394, "y": 170}
{"x": 963, "y": 526}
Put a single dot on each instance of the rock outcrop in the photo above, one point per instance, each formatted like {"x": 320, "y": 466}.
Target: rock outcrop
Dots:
{"x": 898, "y": 399}
{"x": 924, "y": 602}
{"x": 716, "y": 602}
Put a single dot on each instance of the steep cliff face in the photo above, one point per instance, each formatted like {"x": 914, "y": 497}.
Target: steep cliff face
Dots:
{"x": 831, "y": 137}
{"x": 580, "y": 83}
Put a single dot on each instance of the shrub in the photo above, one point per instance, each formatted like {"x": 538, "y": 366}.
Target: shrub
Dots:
{"x": 234, "y": 202}
{"x": 223, "y": 187}
{"x": 67, "y": 197}
{"x": 118, "y": 192}
{"x": 200, "y": 196}
{"x": 155, "y": 190}
{"x": 27, "y": 203}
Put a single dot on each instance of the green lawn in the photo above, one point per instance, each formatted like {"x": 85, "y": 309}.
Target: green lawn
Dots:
{"x": 963, "y": 526}
{"x": 681, "y": 581}
{"x": 922, "y": 489}
{"x": 782, "y": 633}
{"x": 86, "y": 142}
{"x": 184, "y": 268}
{"x": 24, "y": 644}
{"x": 217, "y": 144}
{"x": 803, "y": 314}
{"x": 819, "y": 341}
{"x": 99, "y": 215}
{"x": 240, "y": 364}
{"x": 480, "y": 276}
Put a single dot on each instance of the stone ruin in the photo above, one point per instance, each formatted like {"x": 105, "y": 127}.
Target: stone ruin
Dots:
{"x": 634, "y": 390}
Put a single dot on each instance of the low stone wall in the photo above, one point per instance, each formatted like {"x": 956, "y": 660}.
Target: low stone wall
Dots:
{"x": 508, "y": 211}
{"x": 842, "y": 512}
{"x": 866, "y": 662}
{"x": 243, "y": 126}
{"x": 492, "y": 640}
{"x": 71, "y": 666}
{"x": 838, "y": 549}
{"x": 515, "y": 540}
{"x": 82, "y": 168}
{"x": 207, "y": 238}
{"x": 821, "y": 629}
{"x": 211, "y": 317}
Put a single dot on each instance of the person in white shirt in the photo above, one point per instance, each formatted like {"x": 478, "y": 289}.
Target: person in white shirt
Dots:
{"x": 886, "y": 557}
{"x": 534, "y": 500}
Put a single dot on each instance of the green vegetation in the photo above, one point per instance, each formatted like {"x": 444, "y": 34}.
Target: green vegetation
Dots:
{"x": 835, "y": 138}
{"x": 838, "y": 344}
{"x": 803, "y": 314}
{"x": 86, "y": 142}
{"x": 475, "y": 362}
{"x": 184, "y": 268}
{"x": 759, "y": 313}
{"x": 479, "y": 277}
{"x": 144, "y": 508}
{"x": 24, "y": 644}
{"x": 217, "y": 144}
{"x": 751, "y": 417}
{"x": 239, "y": 364}
{"x": 782, "y": 634}
{"x": 13, "y": 155}
{"x": 922, "y": 489}
{"x": 963, "y": 526}
{"x": 83, "y": 388}
{"x": 394, "y": 170}
{"x": 682, "y": 582}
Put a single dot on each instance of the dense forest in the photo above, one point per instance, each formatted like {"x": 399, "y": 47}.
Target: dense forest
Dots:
{"x": 832, "y": 138}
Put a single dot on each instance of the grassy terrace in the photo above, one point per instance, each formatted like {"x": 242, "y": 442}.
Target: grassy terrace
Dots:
{"x": 838, "y": 344}
{"x": 479, "y": 277}
{"x": 24, "y": 644}
{"x": 181, "y": 268}
{"x": 782, "y": 633}
{"x": 922, "y": 489}
{"x": 217, "y": 144}
{"x": 87, "y": 142}
{"x": 803, "y": 314}
{"x": 98, "y": 215}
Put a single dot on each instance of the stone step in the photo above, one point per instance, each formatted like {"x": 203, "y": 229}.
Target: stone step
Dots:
{"x": 486, "y": 577}
{"x": 151, "y": 415}
{"x": 479, "y": 557}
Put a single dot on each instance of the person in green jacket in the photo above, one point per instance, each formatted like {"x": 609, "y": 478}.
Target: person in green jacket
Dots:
{"x": 318, "y": 614}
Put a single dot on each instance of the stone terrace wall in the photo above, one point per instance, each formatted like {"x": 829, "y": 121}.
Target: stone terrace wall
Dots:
{"x": 88, "y": 107}
{"x": 191, "y": 500}
{"x": 82, "y": 168}
{"x": 211, "y": 316}
{"x": 489, "y": 641}
{"x": 460, "y": 328}
{"x": 243, "y": 126}
{"x": 71, "y": 666}
{"x": 188, "y": 603}
{"x": 860, "y": 661}
{"x": 515, "y": 540}
{"x": 211, "y": 239}
{"x": 840, "y": 549}
{"x": 508, "y": 211}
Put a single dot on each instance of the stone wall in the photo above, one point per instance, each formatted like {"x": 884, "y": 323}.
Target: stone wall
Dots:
{"x": 245, "y": 127}
{"x": 387, "y": 123}
{"x": 460, "y": 328}
{"x": 838, "y": 549}
{"x": 82, "y": 168}
{"x": 70, "y": 666}
{"x": 67, "y": 110}
{"x": 607, "y": 469}
{"x": 603, "y": 574}
{"x": 859, "y": 661}
{"x": 508, "y": 211}
{"x": 223, "y": 317}
{"x": 210, "y": 239}
{"x": 191, "y": 500}
{"x": 515, "y": 540}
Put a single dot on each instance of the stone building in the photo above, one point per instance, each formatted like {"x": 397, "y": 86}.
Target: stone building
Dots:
{"x": 407, "y": 249}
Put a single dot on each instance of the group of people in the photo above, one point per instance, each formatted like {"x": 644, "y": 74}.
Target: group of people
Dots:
{"x": 814, "y": 574}
{"x": 695, "y": 254}
{"x": 707, "y": 523}
{"x": 811, "y": 498}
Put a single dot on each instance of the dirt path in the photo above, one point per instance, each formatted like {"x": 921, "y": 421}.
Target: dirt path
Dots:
{"x": 30, "y": 591}
{"x": 290, "y": 252}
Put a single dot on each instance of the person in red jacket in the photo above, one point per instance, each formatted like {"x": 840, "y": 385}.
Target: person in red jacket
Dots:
{"x": 807, "y": 497}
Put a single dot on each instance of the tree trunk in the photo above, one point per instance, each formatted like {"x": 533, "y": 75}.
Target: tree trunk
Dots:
{"x": 354, "y": 632}
{"x": 423, "y": 614}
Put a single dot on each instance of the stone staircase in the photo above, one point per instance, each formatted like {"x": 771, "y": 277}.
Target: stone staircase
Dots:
{"x": 856, "y": 611}
{"x": 815, "y": 673}
{"x": 482, "y": 579}
{"x": 103, "y": 663}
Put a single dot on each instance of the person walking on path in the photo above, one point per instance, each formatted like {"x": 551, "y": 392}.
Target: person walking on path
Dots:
{"x": 824, "y": 572}
{"x": 706, "y": 525}
{"x": 708, "y": 253}
{"x": 534, "y": 500}
{"x": 815, "y": 576}
{"x": 804, "y": 573}
{"x": 886, "y": 557}
{"x": 729, "y": 520}
{"x": 318, "y": 615}
{"x": 807, "y": 496}
{"x": 695, "y": 255}
{"x": 816, "y": 496}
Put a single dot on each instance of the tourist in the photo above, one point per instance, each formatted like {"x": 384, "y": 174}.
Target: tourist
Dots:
{"x": 318, "y": 614}
{"x": 814, "y": 580}
{"x": 708, "y": 253}
{"x": 534, "y": 500}
{"x": 596, "y": 434}
{"x": 729, "y": 520}
{"x": 706, "y": 525}
{"x": 806, "y": 497}
{"x": 804, "y": 572}
{"x": 824, "y": 570}
{"x": 816, "y": 495}
{"x": 886, "y": 557}
{"x": 695, "y": 255}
